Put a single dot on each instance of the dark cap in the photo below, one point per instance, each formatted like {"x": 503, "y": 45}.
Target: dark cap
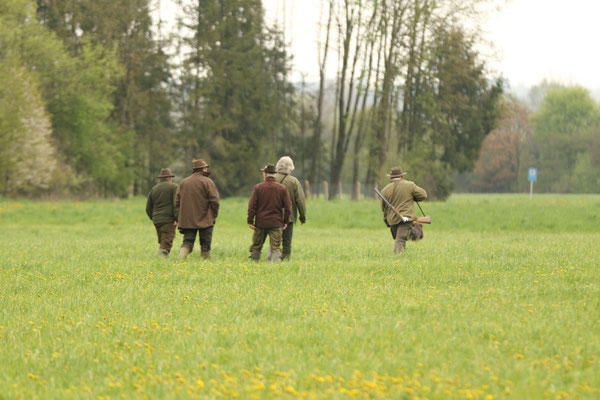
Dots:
{"x": 269, "y": 169}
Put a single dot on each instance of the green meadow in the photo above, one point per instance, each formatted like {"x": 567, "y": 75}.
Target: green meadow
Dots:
{"x": 500, "y": 300}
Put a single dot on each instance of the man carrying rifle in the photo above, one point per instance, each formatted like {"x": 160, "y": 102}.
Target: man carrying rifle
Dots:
{"x": 400, "y": 193}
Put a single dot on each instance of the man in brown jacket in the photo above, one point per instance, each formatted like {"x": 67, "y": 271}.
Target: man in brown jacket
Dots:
{"x": 268, "y": 214}
{"x": 198, "y": 202}
{"x": 401, "y": 194}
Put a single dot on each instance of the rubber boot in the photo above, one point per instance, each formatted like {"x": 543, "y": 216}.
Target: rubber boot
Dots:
{"x": 183, "y": 252}
{"x": 163, "y": 253}
{"x": 205, "y": 254}
{"x": 276, "y": 256}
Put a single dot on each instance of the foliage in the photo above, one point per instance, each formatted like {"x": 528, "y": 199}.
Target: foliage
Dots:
{"x": 232, "y": 89}
{"x": 483, "y": 307}
{"x": 76, "y": 93}
{"x": 501, "y": 157}
{"x": 565, "y": 127}
{"x": 140, "y": 116}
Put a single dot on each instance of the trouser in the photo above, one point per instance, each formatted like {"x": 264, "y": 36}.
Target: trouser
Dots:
{"x": 166, "y": 234}
{"x": 258, "y": 239}
{"x": 287, "y": 240}
{"x": 401, "y": 233}
{"x": 204, "y": 237}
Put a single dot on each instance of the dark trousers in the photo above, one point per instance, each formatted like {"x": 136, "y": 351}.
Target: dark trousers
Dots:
{"x": 204, "y": 237}
{"x": 166, "y": 234}
{"x": 287, "y": 239}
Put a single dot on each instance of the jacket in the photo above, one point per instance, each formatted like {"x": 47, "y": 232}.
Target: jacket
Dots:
{"x": 296, "y": 195}
{"x": 198, "y": 201}
{"x": 269, "y": 205}
{"x": 401, "y": 193}
{"x": 160, "y": 206}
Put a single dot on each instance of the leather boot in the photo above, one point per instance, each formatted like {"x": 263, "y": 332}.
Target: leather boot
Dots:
{"x": 183, "y": 252}
{"x": 254, "y": 256}
{"x": 285, "y": 257}
{"x": 205, "y": 254}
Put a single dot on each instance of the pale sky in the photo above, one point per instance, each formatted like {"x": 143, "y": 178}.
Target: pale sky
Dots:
{"x": 533, "y": 39}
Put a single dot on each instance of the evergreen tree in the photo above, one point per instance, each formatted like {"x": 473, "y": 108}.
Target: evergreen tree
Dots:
{"x": 233, "y": 81}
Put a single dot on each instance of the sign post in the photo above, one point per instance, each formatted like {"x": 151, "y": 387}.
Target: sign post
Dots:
{"x": 531, "y": 177}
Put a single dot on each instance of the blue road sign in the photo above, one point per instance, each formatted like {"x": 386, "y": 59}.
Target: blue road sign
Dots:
{"x": 532, "y": 177}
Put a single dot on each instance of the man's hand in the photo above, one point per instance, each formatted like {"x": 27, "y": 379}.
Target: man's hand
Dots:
{"x": 252, "y": 227}
{"x": 175, "y": 223}
{"x": 284, "y": 227}
{"x": 302, "y": 219}
{"x": 405, "y": 219}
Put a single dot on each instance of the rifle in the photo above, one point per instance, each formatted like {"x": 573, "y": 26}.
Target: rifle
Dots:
{"x": 423, "y": 220}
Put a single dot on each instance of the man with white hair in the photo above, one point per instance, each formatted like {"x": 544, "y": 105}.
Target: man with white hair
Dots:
{"x": 284, "y": 168}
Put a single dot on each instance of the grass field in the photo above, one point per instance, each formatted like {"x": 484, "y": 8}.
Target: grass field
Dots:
{"x": 500, "y": 300}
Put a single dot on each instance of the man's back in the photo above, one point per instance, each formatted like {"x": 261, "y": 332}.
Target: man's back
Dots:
{"x": 401, "y": 193}
{"x": 198, "y": 201}
{"x": 160, "y": 205}
{"x": 297, "y": 198}
{"x": 270, "y": 204}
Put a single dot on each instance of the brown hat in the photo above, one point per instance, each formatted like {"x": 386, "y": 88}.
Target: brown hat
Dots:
{"x": 269, "y": 169}
{"x": 396, "y": 172}
{"x": 165, "y": 173}
{"x": 200, "y": 163}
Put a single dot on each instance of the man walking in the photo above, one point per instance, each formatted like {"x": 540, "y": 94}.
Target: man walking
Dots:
{"x": 161, "y": 209}
{"x": 284, "y": 168}
{"x": 268, "y": 214}
{"x": 401, "y": 194}
{"x": 198, "y": 202}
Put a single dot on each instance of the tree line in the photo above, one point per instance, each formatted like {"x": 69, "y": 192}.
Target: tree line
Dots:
{"x": 97, "y": 96}
{"x": 556, "y": 130}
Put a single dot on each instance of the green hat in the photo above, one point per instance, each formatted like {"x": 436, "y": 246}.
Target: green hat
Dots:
{"x": 396, "y": 172}
{"x": 165, "y": 173}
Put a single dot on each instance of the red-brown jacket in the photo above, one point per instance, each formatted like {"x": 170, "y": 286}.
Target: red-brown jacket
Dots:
{"x": 198, "y": 200}
{"x": 269, "y": 205}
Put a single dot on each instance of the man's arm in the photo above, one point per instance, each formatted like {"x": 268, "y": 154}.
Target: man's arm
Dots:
{"x": 287, "y": 206}
{"x": 175, "y": 208}
{"x": 149, "y": 205}
{"x": 300, "y": 202}
{"x": 252, "y": 204}
{"x": 419, "y": 194}
{"x": 213, "y": 198}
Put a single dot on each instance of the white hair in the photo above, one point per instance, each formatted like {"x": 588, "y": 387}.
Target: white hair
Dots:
{"x": 285, "y": 165}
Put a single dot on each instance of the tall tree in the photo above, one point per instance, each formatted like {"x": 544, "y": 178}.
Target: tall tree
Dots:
{"x": 565, "y": 126}
{"x": 142, "y": 103}
{"x": 75, "y": 91}
{"x": 231, "y": 83}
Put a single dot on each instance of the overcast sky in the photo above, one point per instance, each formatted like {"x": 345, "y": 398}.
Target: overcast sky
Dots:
{"x": 533, "y": 39}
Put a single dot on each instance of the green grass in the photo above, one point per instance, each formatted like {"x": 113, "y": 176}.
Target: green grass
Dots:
{"x": 500, "y": 300}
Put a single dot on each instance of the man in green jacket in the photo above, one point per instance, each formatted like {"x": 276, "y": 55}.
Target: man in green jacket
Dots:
{"x": 401, "y": 194}
{"x": 161, "y": 209}
{"x": 284, "y": 168}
